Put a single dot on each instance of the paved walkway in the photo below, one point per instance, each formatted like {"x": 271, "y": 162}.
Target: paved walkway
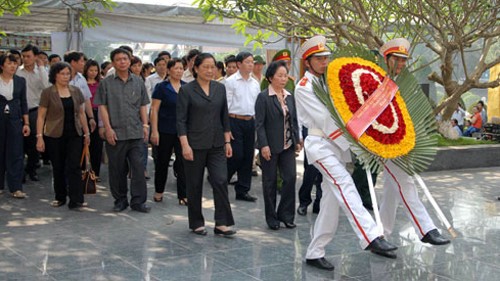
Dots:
{"x": 38, "y": 242}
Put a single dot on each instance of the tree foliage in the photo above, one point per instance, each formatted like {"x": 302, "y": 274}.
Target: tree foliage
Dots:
{"x": 449, "y": 29}
{"x": 85, "y": 8}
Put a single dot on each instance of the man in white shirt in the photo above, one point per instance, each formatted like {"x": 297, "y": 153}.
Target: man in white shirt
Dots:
{"x": 37, "y": 79}
{"x": 459, "y": 115}
{"x": 329, "y": 152}
{"x": 242, "y": 91}
{"x": 77, "y": 62}
{"x": 155, "y": 78}
{"x": 188, "y": 73}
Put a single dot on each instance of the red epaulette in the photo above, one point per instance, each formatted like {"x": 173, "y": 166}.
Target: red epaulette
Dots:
{"x": 303, "y": 81}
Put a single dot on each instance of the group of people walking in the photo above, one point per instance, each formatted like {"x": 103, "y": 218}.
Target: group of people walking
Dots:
{"x": 207, "y": 125}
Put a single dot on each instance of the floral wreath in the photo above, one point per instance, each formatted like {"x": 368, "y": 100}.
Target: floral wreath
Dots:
{"x": 403, "y": 132}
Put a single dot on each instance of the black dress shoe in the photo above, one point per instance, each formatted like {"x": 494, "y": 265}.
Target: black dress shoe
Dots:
{"x": 320, "y": 263}
{"x": 274, "y": 226}
{"x": 246, "y": 197}
{"x": 381, "y": 247}
{"x": 143, "y": 208}
{"x": 315, "y": 208}
{"x": 302, "y": 210}
{"x": 290, "y": 225}
{"x": 120, "y": 207}
{"x": 202, "y": 232}
{"x": 227, "y": 233}
{"x": 435, "y": 238}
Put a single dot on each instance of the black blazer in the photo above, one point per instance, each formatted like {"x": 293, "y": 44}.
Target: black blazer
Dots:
{"x": 18, "y": 106}
{"x": 203, "y": 119}
{"x": 269, "y": 122}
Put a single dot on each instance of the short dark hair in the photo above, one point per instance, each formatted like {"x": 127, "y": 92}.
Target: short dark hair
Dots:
{"x": 220, "y": 65}
{"x": 454, "y": 121}
{"x": 55, "y": 69}
{"x": 229, "y": 59}
{"x": 134, "y": 60}
{"x": 241, "y": 56}
{"x": 164, "y": 53}
{"x": 4, "y": 58}
{"x": 273, "y": 68}
{"x": 171, "y": 63}
{"x": 145, "y": 66}
{"x": 128, "y": 49}
{"x": 53, "y": 56}
{"x": 481, "y": 103}
{"x": 119, "y": 51}
{"x": 32, "y": 48}
{"x": 43, "y": 53}
{"x": 158, "y": 59}
{"x": 73, "y": 56}
{"x": 199, "y": 60}
{"x": 15, "y": 52}
{"x": 192, "y": 53}
{"x": 88, "y": 64}
{"x": 105, "y": 64}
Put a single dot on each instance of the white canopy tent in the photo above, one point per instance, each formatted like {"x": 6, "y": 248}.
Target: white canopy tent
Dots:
{"x": 128, "y": 22}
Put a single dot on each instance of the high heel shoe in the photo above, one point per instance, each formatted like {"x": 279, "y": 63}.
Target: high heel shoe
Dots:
{"x": 202, "y": 232}
{"x": 183, "y": 202}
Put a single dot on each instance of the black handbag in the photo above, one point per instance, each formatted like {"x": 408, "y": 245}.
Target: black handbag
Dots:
{"x": 88, "y": 183}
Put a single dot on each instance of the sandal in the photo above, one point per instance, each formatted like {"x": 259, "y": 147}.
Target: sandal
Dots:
{"x": 183, "y": 202}
{"x": 19, "y": 194}
{"x": 57, "y": 203}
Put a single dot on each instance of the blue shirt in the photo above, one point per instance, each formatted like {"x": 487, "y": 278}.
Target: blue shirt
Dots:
{"x": 165, "y": 92}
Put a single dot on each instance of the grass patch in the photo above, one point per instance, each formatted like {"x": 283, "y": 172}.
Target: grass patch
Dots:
{"x": 461, "y": 141}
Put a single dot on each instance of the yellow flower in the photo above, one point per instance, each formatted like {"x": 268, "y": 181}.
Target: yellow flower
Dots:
{"x": 387, "y": 151}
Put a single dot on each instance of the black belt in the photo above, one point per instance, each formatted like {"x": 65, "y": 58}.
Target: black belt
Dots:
{"x": 33, "y": 109}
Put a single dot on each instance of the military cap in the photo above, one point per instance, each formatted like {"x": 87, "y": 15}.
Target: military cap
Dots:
{"x": 397, "y": 47}
{"x": 284, "y": 54}
{"x": 258, "y": 59}
{"x": 314, "y": 46}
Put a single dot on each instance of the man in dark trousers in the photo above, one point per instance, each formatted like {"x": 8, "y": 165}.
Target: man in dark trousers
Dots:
{"x": 122, "y": 100}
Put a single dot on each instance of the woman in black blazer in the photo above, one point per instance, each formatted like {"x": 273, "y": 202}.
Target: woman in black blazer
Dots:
{"x": 277, "y": 139}
{"x": 14, "y": 124}
{"x": 205, "y": 137}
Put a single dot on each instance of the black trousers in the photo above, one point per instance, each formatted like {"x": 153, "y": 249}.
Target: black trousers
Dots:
{"x": 11, "y": 153}
{"x": 311, "y": 177}
{"x": 30, "y": 143}
{"x": 95, "y": 148}
{"x": 65, "y": 154}
{"x": 214, "y": 160}
{"x": 285, "y": 162}
{"x": 243, "y": 148}
{"x": 361, "y": 182}
{"x": 169, "y": 142}
{"x": 122, "y": 155}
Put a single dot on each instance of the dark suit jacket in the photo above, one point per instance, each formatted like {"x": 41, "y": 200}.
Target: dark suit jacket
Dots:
{"x": 269, "y": 122}
{"x": 203, "y": 119}
{"x": 18, "y": 106}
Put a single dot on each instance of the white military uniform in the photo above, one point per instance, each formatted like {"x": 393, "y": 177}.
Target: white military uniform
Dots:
{"x": 398, "y": 185}
{"x": 328, "y": 152}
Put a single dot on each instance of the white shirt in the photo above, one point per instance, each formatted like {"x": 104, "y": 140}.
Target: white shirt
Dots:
{"x": 313, "y": 114}
{"x": 151, "y": 82}
{"x": 7, "y": 89}
{"x": 459, "y": 114}
{"x": 36, "y": 81}
{"x": 81, "y": 83}
{"x": 241, "y": 94}
{"x": 187, "y": 76}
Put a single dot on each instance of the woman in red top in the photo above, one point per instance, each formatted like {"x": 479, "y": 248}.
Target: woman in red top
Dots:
{"x": 91, "y": 72}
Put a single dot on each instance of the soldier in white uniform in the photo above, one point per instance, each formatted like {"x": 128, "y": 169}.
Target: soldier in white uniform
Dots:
{"x": 398, "y": 185}
{"x": 328, "y": 151}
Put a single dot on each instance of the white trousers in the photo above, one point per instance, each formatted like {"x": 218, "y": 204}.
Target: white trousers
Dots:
{"x": 339, "y": 190}
{"x": 400, "y": 187}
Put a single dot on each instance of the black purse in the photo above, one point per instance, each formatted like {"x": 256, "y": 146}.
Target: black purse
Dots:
{"x": 88, "y": 183}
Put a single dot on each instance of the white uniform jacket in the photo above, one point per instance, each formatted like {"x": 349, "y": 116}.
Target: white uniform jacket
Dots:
{"x": 314, "y": 115}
